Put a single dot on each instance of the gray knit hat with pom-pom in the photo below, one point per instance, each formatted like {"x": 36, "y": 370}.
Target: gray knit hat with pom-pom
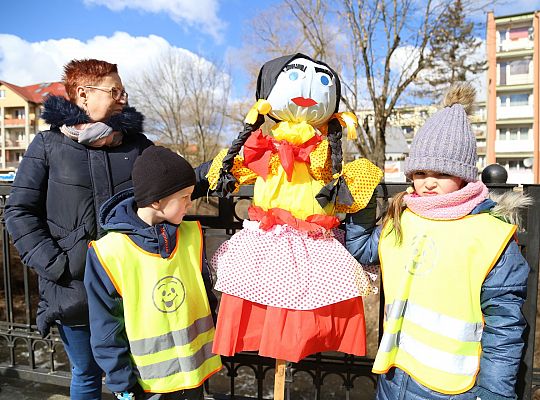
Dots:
{"x": 446, "y": 142}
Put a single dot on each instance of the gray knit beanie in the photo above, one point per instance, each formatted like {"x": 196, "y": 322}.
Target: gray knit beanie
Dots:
{"x": 446, "y": 143}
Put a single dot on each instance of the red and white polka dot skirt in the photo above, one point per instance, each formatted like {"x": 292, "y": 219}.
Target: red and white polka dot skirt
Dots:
{"x": 283, "y": 267}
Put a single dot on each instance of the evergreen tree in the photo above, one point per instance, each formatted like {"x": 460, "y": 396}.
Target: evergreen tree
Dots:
{"x": 453, "y": 46}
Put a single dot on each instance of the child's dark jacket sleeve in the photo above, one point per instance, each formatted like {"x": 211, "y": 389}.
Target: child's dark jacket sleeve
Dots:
{"x": 202, "y": 185}
{"x": 361, "y": 234}
{"x": 108, "y": 336}
{"x": 503, "y": 293}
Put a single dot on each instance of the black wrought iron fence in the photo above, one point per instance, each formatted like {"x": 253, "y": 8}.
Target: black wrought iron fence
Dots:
{"x": 24, "y": 354}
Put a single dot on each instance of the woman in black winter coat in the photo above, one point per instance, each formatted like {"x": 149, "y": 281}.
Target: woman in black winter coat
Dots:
{"x": 65, "y": 176}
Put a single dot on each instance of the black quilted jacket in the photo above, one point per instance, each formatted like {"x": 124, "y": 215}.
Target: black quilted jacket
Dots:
{"x": 52, "y": 209}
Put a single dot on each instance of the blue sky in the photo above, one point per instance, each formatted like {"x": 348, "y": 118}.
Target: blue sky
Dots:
{"x": 38, "y": 36}
{"x": 219, "y": 26}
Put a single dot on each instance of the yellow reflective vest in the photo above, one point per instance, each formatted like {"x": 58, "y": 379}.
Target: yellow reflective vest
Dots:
{"x": 166, "y": 312}
{"x": 433, "y": 320}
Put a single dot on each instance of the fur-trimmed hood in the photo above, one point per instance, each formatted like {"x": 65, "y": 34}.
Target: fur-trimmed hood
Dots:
{"x": 510, "y": 206}
{"x": 58, "y": 111}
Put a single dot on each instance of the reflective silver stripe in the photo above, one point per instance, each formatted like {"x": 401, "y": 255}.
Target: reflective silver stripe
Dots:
{"x": 435, "y": 322}
{"x": 438, "y": 359}
{"x": 388, "y": 342}
{"x": 396, "y": 309}
{"x": 168, "y": 340}
{"x": 443, "y": 324}
{"x": 167, "y": 368}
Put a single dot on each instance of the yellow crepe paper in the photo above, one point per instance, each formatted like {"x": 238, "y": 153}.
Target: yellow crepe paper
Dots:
{"x": 260, "y": 107}
{"x": 293, "y": 132}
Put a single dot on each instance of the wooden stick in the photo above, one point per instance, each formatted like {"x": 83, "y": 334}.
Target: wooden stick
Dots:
{"x": 279, "y": 380}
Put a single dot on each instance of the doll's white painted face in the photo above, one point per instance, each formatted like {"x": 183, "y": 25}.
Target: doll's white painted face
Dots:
{"x": 304, "y": 91}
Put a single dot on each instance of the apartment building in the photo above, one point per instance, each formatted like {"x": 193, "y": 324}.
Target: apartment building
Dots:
{"x": 20, "y": 112}
{"x": 513, "y": 103}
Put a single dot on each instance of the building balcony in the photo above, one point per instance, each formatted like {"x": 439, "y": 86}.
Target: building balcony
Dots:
{"x": 480, "y": 133}
{"x": 526, "y": 80}
{"x": 12, "y": 165}
{"x": 515, "y": 112}
{"x": 14, "y": 122}
{"x": 521, "y": 45}
{"x": 523, "y": 87}
{"x": 16, "y": 144}
{"x": 503, "y": 55}
{"x": 514, "y": 146}
{"x": 523, "y": 176}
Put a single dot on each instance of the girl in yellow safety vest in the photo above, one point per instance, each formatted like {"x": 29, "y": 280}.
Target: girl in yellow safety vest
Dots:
{"x": 453, "y": 276}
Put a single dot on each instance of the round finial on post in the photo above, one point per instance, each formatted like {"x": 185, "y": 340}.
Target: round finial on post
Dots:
{"x": 494, "y": 173}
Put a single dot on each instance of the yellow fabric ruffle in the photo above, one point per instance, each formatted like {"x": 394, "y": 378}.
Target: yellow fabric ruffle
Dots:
{"x": 362, "y": 177}
{"x": 320, "y": 166}
{"x": 243, "y": 175}
{"x": 295, "y": 133}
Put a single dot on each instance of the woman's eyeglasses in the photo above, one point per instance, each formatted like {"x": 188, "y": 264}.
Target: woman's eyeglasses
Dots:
{"x": 116, "y": 94}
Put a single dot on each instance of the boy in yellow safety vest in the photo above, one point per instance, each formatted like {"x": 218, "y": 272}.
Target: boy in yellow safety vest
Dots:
{"x": 149, "y": 289}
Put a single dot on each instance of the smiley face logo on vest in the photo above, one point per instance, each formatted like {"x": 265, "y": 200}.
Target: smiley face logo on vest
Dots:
{"x": 423, "y": 256}
{"x": 169, "y": 294}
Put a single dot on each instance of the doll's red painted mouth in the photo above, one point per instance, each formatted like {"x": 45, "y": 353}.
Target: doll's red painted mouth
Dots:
{"x": 303, "y": 102}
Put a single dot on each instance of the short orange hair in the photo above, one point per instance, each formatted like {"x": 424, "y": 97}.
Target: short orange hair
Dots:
{"x": 85, "y": 72}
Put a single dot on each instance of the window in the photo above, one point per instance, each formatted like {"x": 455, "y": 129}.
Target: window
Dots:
{"x": 519, "y": 100}
{"x": 519, "y": 67}
{"x": 519, "y": 33}
{"x": 514, "y": 133}
{"x": 521, "y": 133}
{"x": 515, "y": 164}
{"x": 502, "y": 73}
{"x": 514, "y": 100}
{"x": 407, "y": 130}
{"x": 19, "y": 113}
{"x": 2, "y": 94}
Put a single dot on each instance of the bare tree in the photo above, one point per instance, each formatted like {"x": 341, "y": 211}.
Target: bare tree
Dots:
{"x": 379, "y": 47}
{"x": 184, "y": 99}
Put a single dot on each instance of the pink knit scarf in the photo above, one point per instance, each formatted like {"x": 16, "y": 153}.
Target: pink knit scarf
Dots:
{"x": 448, "y": 206}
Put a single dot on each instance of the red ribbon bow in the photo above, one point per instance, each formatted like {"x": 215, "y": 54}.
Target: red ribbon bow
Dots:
{"x": 259, "y": 148}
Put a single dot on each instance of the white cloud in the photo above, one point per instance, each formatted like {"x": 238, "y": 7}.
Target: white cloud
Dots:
{"x": 25, "y": 63}
{"x": 200, "y": 13}
{"x": 405, "y": 58}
